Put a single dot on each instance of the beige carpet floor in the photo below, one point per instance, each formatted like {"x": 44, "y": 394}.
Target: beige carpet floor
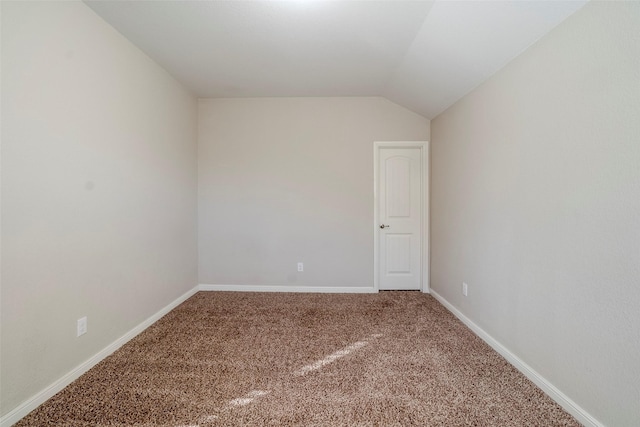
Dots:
{"x": 225, "y": 359}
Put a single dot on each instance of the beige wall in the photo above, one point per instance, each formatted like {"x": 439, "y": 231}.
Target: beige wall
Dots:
{"x": 291, "y": 179}
{"x": 98, "y": 190}
{"x": 536, "y": 205}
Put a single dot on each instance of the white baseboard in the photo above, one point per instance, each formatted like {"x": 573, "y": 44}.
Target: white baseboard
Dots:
{"x": 560, "y": 398}
{"x": 297, "y": 289}
{"x": 32, "y": 403}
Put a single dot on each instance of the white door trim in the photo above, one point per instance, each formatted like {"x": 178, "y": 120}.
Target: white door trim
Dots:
{"x": 424, "y": 195}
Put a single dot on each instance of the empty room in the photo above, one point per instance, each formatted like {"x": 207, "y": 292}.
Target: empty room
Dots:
{"x": 310, "y": 213}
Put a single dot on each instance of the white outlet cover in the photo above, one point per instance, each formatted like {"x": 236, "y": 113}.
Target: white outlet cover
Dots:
{"x": 465, "y": 289}
{"x": 82, "y": 326}
{"x": 300, "y": 266}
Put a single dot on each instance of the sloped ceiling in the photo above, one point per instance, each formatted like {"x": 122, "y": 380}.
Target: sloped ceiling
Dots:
{"x": 423, "y": 55}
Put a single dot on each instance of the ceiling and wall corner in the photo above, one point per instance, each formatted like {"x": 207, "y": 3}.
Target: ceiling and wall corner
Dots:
{"x": 423, "y": 55}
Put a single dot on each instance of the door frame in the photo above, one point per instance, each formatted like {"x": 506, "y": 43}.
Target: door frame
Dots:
{"x": 424, "y": 203}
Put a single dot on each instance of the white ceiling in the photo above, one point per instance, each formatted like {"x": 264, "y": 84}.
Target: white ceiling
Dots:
{"x": 423, "y": 55}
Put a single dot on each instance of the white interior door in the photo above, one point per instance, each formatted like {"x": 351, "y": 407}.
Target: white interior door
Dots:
{"x": 400, "y": 218}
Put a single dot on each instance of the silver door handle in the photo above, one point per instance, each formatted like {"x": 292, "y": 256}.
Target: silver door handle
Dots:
{"x": 384, "y": 226}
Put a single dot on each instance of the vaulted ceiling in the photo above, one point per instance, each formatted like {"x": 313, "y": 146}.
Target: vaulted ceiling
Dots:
{"x": 424, "y": 55}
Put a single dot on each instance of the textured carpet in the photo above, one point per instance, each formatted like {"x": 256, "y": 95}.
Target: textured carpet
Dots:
{"x": 394, "y": 358}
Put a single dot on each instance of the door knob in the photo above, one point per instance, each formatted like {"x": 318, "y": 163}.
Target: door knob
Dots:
{"x": 384, "y": 226}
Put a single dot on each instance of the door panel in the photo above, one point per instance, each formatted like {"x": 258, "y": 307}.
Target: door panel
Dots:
{"x": 398, "y": 253}
{"x": 398, "y": 187}
{"x": 400, "y": 211}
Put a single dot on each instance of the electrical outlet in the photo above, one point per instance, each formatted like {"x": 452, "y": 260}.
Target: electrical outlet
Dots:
{"x": 465, "y": 289}
{"x": 300, "y": 266}
{"x": 82, "y": 326}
